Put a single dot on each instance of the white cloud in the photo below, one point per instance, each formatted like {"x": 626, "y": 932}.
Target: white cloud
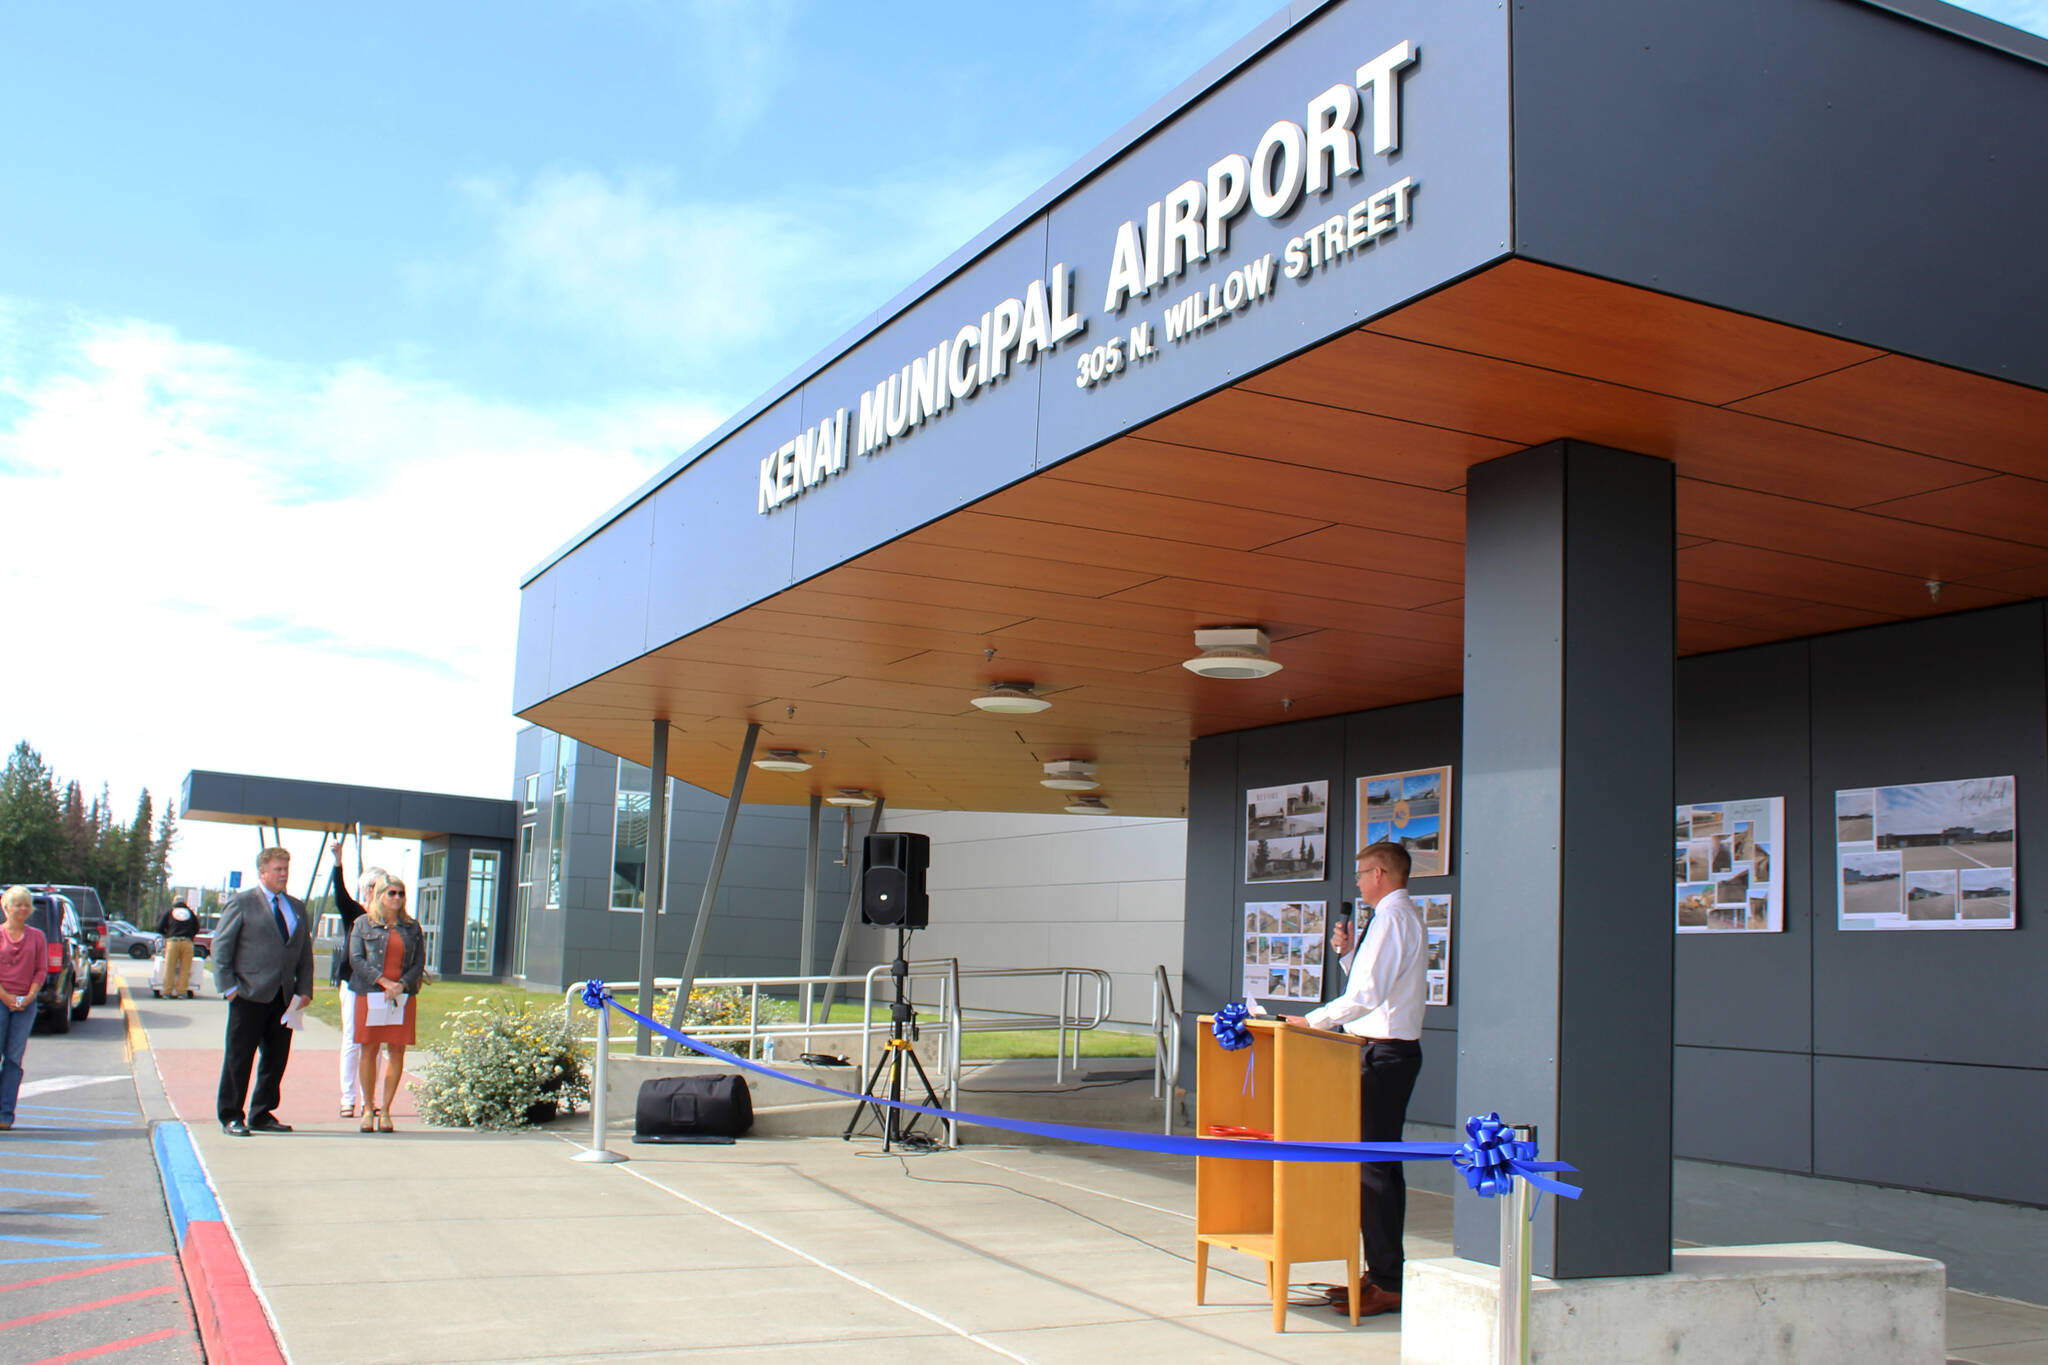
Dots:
{"x": 273, "y": 568}
{"x": 630, "y": 260}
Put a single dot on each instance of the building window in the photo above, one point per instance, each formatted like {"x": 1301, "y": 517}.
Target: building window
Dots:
{"x": 558, "y": 822}
{"x": 480, "y": 916}
{"x": 532, "y": 801}
{"x": 433, "y": 892}
{"x": 631, "y": 811}
{"x": 524, "y": 907}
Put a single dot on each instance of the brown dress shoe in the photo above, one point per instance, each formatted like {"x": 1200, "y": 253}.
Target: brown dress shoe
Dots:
{"x": 1372, "y": 1301}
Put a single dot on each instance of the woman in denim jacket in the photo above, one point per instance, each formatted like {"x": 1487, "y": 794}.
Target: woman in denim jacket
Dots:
{"x": 386, "y": 959}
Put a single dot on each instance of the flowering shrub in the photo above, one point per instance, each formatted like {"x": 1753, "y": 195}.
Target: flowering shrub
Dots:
{"x": 505, "y": 1065}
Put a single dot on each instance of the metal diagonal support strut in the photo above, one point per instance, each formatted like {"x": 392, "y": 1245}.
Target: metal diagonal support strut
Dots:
{"x": 688, "y": 978}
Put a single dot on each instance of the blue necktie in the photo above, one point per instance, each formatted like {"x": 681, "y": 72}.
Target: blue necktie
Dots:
{"x": 284, "y": 934}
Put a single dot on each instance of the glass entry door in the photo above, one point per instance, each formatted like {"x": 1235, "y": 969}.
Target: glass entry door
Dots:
{"x": 480, "y": 915}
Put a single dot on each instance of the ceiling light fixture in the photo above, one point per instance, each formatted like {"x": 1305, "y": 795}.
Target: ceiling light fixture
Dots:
{"x": 1232, "y": 652}
{"x": 1070, "y": 775}
{"x": 783, "y": 761}
{"x": 1011, "y": 699}
{"x": 850, "y": 796}
{"x": 1088, "y": 805}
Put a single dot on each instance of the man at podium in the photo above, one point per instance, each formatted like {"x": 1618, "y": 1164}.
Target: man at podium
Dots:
{"x": 1382, "y": 1002}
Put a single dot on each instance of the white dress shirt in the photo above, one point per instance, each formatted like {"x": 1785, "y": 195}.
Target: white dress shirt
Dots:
{"x": 1387, "y": 987}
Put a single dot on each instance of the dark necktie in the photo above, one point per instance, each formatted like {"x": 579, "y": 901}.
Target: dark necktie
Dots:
{"x": 277, "y": 908}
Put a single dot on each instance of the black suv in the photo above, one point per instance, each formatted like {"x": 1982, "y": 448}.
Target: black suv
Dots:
{"x": 92, "y": 918}
{"x": 67, "y": 992}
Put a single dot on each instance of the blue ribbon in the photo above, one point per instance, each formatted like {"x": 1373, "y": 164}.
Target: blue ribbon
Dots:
{"x": 1228, "y": 1149}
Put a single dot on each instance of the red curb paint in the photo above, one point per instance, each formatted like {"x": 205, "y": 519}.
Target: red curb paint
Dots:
{"x": 232, "y": 1325}
{"x": 68, "y": 1310}
{"x": 108, "y": 1348}
{"x": 74, "y": 1274}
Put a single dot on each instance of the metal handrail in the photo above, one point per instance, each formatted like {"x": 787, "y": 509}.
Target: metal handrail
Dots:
{"x": 1165, "y": 1045}
{"x": 947, "y": 972}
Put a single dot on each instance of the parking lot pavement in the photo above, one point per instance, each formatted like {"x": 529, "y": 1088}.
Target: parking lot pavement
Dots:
{"x": 87, "y": 1263}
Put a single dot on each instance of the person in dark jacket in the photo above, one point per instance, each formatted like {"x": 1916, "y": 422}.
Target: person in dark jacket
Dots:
{"x": 387, "y": 959}
{"x": 179, "y": 927}
{"x": 350, "y": 910}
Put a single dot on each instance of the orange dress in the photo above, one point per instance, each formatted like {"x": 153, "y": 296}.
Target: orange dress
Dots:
{"x": 394, "y": 963}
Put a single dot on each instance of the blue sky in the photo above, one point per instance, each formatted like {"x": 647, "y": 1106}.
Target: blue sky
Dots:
{"x": 320, "y": 324}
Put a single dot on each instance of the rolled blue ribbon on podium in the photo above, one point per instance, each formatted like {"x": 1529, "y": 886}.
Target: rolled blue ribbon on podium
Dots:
{"x": 598, "y": 996}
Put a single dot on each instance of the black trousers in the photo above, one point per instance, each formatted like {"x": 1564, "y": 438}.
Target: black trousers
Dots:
{"x": 256, "y": 1033}
{"x": 1387, "y": 1073}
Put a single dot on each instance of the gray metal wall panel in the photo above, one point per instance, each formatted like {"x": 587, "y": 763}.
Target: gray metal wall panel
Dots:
{"x": 1953, "y": 697}
{"x": 535, "y": 649}
{"x": 1395, "y": 739}
{"x": 1211, "y": 972}
{"x": 1454, "y": 106}
{"x": 1614, "y": 1034}
{"x": 1950, "y": 1129}
{"x": 1753, "y": 1108}
{"x": 1436, "y": 1087}
{"x": 1760, "y": 155}
{"x": 600, "y": 618}
{"x": 1307, "y": 751}
{"x": 1743, "y": 732}
{"x": 713, "y": 552}
{"x": 1512, "y": 786}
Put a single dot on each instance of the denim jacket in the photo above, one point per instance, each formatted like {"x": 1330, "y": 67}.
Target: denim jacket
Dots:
{"x": 366, "y": 954}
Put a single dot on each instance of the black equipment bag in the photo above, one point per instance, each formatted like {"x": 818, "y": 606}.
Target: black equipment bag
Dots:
{"x": 693, "y": 1107}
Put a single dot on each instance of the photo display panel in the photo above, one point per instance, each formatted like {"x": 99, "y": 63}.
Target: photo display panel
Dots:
{"x": 1287, "y": 833}
{"x": 1412, "y": 809}
{"x": 1436, "y": 924}
{"x": 1284, "y": 950}
{"x": 1927, "y": 855}
{"x": 1728, "y": 862}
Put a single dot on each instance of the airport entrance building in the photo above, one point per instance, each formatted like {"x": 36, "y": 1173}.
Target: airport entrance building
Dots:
{"x": 1622, "y": 411}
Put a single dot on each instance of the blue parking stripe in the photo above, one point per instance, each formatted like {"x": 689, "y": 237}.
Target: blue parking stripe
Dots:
{"x": 49, "y": 1142}
{"x": 13, "y": 1155}
{"x": 45, "y": 1213}
{"x": 47, "y": 1241}
{"x": 51, "y": 1175}
{"x": 59, "y": 1109}
{"x": 185, "y": 1188}
{"x": 47, "y": 1194}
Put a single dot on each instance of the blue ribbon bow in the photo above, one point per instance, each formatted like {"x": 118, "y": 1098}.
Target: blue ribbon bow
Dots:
{"x": 595, "y": 993}
{"x": 1492, "y": 1156}
{"x": 1228, "y": 1026}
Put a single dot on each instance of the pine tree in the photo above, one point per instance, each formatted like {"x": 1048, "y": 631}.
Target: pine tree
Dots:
{"x": 160, "y": 859}
{"x": 78, "y": 837}
{"x": 31, "y": 819}
{"x": 135, "y": 857}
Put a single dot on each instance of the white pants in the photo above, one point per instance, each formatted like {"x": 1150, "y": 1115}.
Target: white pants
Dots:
{"x": 351, "y": 1050}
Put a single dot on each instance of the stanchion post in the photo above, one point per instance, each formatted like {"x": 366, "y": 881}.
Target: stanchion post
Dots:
{"x": 1512, "y": 1330}
{"x": 598, "y": 1152}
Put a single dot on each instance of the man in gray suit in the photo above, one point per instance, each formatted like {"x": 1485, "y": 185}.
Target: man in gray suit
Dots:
{"x": 263, "y": 965}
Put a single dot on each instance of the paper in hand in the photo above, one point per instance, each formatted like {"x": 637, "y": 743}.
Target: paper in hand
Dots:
{"x": 383, "y": 1012}
{"x": 295, "y": 1016}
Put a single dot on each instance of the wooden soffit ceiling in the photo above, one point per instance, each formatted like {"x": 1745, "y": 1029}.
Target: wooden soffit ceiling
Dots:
{"x": 1821, "y": 485}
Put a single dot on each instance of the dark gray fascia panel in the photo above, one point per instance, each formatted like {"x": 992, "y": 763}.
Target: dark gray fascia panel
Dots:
{"x": 300, "y": 804}
{"x": 1871, "y": 173}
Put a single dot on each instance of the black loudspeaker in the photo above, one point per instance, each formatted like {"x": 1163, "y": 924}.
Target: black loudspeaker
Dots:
{"x": 892, "y": 880}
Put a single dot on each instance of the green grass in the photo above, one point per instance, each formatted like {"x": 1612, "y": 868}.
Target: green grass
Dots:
{"x": 439, "y": 999}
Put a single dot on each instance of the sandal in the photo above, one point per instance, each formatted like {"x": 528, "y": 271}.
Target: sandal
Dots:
{"x": 384, "y": 1121}
{"x": 369, "y": 1120}
{"x": 348, "y": 1111}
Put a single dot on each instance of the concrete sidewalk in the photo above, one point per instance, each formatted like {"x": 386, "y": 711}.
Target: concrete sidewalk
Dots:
{"x": 432, "y": 1245}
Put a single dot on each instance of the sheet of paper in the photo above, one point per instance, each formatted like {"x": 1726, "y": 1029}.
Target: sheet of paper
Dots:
{"x": 383, "y": 1012}
{"x": 295, "y": 1016}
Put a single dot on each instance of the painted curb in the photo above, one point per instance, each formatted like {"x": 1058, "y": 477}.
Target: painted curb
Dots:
{"x": 234, "y": 1329}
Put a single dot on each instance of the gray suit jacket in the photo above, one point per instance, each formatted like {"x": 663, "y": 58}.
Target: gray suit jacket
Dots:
{"x": 250, "y": 958}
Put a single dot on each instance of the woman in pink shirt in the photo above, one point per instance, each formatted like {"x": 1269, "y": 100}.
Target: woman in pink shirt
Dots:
{"x": 24, "y": 962}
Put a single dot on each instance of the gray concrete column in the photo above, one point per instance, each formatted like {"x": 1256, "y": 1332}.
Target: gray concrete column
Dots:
{"x": 1564, "y": 929}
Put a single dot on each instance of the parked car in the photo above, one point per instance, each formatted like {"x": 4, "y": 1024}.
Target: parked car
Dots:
{"x": 92, "y": 917}
{"x": 123, "y": 937}
{"x": 67, "y": 991}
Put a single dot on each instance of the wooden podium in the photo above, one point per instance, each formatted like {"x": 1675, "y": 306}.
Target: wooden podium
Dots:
{"x": 1304, "y": 1088}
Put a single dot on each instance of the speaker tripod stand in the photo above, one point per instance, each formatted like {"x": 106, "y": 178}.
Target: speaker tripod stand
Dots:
{"x": 897, "y": 1053}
